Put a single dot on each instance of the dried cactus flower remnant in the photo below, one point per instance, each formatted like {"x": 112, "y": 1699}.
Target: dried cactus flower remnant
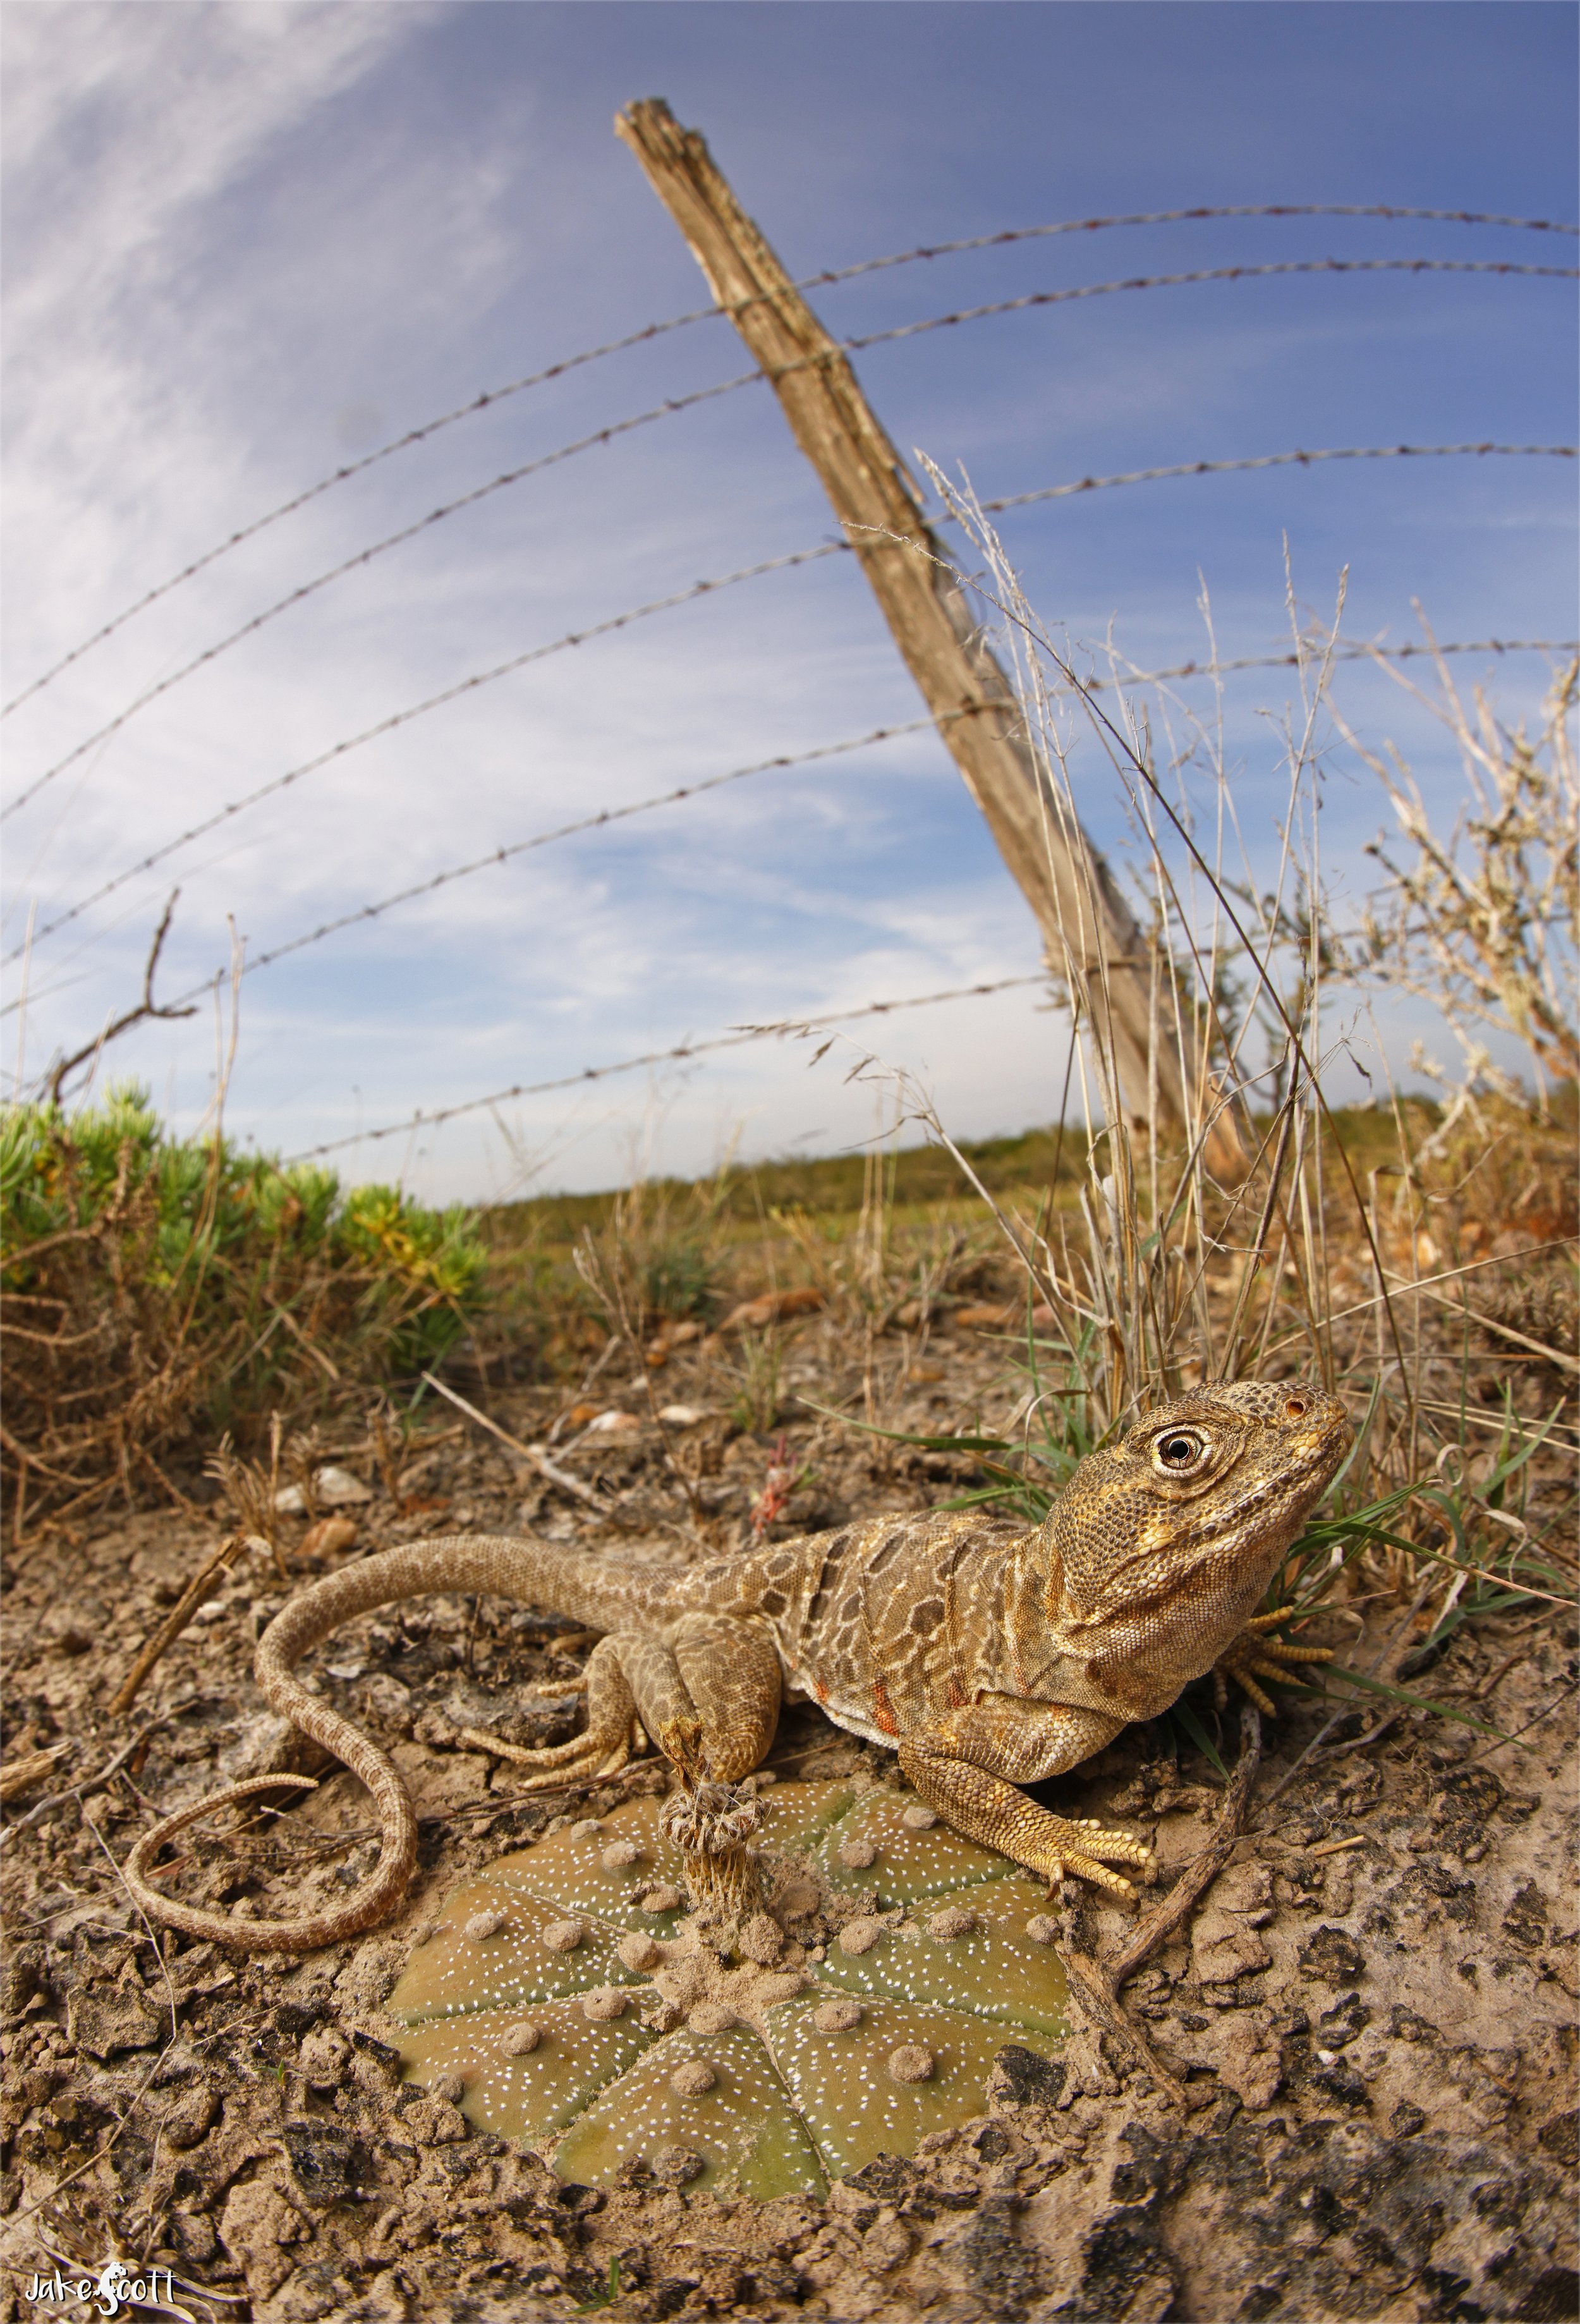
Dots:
{"x": 756, "y": 2080}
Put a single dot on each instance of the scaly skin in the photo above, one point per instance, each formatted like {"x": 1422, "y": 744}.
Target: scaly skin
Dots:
{"x": 985, "y": 1655}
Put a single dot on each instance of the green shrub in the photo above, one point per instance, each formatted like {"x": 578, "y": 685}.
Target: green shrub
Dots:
{"x": 159, "y": 1287}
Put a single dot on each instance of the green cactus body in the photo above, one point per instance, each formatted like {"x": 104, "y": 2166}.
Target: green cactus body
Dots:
{"x": 525, "y": 1991}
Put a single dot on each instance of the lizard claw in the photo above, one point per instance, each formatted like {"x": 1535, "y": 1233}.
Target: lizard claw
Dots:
{"x": 1077, "y": 1849}
{"x": 1256, "y": 1653}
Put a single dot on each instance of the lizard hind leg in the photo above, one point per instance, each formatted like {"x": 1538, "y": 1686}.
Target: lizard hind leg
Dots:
{"x": 710, "y": 1697}
{"x": 602, "y": 1747}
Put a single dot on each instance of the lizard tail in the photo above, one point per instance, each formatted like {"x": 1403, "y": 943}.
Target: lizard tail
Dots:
{"x": 528, "y": 1570}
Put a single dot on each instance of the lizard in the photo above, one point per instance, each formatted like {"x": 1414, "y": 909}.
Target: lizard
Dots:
{"x": 988, "y": 1655}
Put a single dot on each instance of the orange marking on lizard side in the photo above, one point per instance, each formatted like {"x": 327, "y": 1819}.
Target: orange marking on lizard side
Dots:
{"x": 957, "y": 1693}
{"x": 886, "y": 1718}
{"x": 820, "y": 1689}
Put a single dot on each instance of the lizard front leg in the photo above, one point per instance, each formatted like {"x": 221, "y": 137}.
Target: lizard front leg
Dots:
{"x": 967, "y": 1763}
{"x": 1255, "y": 1653}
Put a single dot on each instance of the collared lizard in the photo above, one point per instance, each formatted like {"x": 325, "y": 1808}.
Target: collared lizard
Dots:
{"x": 988, "y": 1655}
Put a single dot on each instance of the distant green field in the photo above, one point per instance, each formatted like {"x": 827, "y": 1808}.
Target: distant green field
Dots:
{"x": 916, "y": 1177}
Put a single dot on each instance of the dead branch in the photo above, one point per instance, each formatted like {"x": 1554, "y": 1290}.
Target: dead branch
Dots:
{"x": 180, "y": 1615}
{"x": 147, "y": 1008}
{"x": 1098, "y": 1981}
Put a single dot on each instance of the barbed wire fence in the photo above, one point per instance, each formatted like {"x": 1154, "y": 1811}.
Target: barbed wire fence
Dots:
{"x": 608, "y": 817}
{"x": 673, "y": 405}
{"x": 489, "y": 398}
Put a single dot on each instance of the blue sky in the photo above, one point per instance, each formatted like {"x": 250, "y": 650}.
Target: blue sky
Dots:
{"x": 248, "y": 244}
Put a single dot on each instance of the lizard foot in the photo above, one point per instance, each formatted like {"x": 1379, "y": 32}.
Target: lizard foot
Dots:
{"x": 1256, "y": 1654}
{"x": 1076, "y": 1848}
{"x": 586, "y": 1759}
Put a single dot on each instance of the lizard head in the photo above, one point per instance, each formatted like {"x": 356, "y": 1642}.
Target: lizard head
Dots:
{"x": 1196, "y": 1503}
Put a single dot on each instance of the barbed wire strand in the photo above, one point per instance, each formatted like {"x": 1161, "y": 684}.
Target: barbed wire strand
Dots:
{"x": 1051, "y": 492}
{"x": 675, "y": 404}
{"x": 1205, "y": 274}
{"x": 488, "y": 397}
{"x": 420, "y": 709}
{"x": 809, "y": 1022}
{"x": 786, "y": 760}
{"x": 1286, "y": 460}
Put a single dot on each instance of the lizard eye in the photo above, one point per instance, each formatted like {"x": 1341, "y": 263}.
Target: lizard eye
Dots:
{"x": 1179, "y": 1451}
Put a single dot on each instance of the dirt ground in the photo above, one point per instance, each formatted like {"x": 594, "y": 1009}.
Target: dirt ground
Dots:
{"x": 1373, "y": 2013}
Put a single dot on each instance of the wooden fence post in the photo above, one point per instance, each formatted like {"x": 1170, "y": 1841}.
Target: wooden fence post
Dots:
{"x": 1090, "y": 936}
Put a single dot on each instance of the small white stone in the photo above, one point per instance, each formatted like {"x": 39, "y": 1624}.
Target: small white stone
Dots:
{"x": 911, "y": 2062}
{"x": 563, "y": 1936}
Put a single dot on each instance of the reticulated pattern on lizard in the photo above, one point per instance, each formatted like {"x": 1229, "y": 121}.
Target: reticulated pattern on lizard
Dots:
{"x": 987, "y": 1654}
